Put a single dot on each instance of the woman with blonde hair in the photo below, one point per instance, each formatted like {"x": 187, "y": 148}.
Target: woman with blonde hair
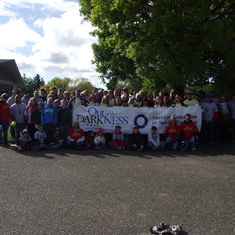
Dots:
{"x": 172, "y": 133}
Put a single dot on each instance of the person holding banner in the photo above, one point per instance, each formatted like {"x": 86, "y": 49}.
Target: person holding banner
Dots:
{"x": 189, "y": 133}
{"x": 178, "y": 101}
{"x": 190, "y": 101}
{"x": 158, "y": 102}
{"x": 77, "y": 100}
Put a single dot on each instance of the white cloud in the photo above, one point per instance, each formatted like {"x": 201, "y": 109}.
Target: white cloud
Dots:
{"x": 15, "y": 33}
{"x": 58, "y": 45}
{"x": 4, "y": 11}
{"x": 65, "y": 36}
{"x": 59, "y": 5}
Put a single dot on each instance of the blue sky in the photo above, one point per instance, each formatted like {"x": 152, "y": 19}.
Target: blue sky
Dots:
{"x": 48, "y": 38}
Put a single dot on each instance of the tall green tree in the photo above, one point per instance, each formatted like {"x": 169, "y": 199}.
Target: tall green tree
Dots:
{"x": 32, "y": 84}
{"x": 38, "y": 81}
{"x": 168, "y": 42}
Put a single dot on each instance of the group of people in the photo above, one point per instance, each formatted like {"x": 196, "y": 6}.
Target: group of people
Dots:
{"x": 43, "y": 120}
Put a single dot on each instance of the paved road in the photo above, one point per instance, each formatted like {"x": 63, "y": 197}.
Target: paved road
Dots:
{"x": 110, "y": 192}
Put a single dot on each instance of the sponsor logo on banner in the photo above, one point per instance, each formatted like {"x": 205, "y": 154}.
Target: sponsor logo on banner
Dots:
{"x": 95, "y": 117}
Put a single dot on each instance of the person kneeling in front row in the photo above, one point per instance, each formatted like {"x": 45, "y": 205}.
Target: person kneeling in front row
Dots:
{"x": 189, "y": 133}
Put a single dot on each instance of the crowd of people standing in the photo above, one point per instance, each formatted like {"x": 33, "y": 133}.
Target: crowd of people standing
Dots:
{"x": 43, "y": 119}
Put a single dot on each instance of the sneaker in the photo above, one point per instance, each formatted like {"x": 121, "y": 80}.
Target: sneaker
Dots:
{"x": 194, "y": 149}
{"x": 166, "y": 229}
{"x": 175, "y": 229}
{"x": 161, "y": 230}
{"x": 19, "y": 148}
{"x": 182, "y": 145}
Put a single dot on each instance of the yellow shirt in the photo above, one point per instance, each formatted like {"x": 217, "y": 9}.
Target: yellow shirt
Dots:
{"x": 191, "y": 102}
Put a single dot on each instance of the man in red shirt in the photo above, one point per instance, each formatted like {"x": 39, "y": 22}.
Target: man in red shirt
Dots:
{"x": 4, "y": 119}
{"x": 189, "y": 133}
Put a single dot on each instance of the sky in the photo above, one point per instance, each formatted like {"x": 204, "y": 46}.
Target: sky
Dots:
{"x": 47, "y": 37}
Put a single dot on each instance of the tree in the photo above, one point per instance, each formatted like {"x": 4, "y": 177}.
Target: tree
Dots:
{"x": 32, "y": 84}
{"x": 81, "y": 83}
{"x": 61, "y": 83}
{"x": 113, "y": 65}
{"x": 38, "y": 81}
{"x": 169, "y": 42}
{"x": 68, "y": 84}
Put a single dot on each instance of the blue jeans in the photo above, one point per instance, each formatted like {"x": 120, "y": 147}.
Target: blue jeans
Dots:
{"x": 100, "y": 146}
{"x": 161, "y": 146}
{"x": 19, "y": 127}
{"x": 174, "y": 144}
{"x": 37, "y": 147}
{"x": 75, "y": 145}
{"x": 189, "y": 143}
{"x": 64, "y": 132}
{"x": 3, "y": 132}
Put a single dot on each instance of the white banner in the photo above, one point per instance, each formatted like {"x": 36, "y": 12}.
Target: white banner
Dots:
{"x": 95, "y": 117}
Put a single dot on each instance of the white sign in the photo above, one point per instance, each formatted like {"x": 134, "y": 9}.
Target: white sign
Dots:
{"x": 95, "y": 117}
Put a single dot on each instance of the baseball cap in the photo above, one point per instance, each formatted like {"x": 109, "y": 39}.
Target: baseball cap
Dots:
{"x": 4, "y": 95}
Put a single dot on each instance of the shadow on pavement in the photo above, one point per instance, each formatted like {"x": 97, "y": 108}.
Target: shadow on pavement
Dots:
{"x": 202, "y": 151}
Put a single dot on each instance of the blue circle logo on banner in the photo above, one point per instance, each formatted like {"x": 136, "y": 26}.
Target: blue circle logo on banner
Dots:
{"x": 141, "y": 121}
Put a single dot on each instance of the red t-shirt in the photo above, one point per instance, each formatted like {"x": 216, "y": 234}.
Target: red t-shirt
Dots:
{"x": 172, "y": 131}
{"x": 76, "y": 134}
{"x": 4, "y": 112}
{"x": 188, "y": 129}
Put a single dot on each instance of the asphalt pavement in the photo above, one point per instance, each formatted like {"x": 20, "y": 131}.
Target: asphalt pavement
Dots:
{"x": 108, "y": 192}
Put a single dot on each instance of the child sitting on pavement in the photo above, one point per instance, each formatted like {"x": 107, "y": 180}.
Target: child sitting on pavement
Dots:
{"x": 118, "y": 139}
{"x": 57, "y": 140}
{"x": 99, "y": 139}
{"x": 136, "y": 140}
{"x": 154, "y": 142}
{"x": 25, "y": 141}
{"x": 89, "y": 142}
{"x": 40, "y": 138}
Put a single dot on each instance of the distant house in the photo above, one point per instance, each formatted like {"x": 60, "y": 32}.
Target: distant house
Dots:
{"x": 10, "y": 77}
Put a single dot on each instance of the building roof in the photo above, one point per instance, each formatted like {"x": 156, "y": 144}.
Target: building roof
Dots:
{"x": 9, "y": 69}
